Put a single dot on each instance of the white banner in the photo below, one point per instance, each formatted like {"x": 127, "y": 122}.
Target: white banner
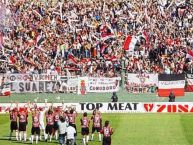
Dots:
{"x": 141, "y": 83}
{"x": 102, "y": 85}
{"x": 126, "y": 107}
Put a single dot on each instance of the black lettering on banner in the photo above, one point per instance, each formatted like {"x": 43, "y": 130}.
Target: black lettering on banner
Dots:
{"x": 121, "y": 106}
{"x": 135, "y": 105}
{"x": 112, "y": 106}
{"x": 82, "y": 106}
{"x": 21, "y": 87}
{"x": 27, "y": 86}
{"x": 47, "y": 86}
{"x": 11, "y": 87}
{"x": 99, "y": 105}
{"x": 34, "y": 87}
{"x": 41, "y": 86}
{"x": 90, "y": 106}
{"x": 128, "y": 106}
{"x": 53, "y": 85}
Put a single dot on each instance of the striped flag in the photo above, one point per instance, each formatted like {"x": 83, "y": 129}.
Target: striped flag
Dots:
{"x": 130, "y": 43}
{"x": 171, "y": 83}
{"x": 145, "y": 36}
{"x": 72, "y": 59}
{"x": 6, "y": 91}
{"x": 1, "y": 39}
{"x": 189, "y": 54}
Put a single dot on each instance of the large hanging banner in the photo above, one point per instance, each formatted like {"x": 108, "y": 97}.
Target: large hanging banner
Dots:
{"x": 119, "y": 107}
{"x": 141, "y": 83}
{"x": 102, "y": 84}
{"x": 189, "y": 82}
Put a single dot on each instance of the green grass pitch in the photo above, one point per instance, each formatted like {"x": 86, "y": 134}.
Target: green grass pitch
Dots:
{"x": 130, "y": 129}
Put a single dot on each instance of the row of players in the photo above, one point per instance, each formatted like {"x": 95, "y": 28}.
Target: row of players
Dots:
{"x": 60, "y": 122}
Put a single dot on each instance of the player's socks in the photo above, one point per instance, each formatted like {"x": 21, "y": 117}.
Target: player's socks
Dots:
{"x": 92, "y": 137}
{"x": 84, "y": 141}
{"x": 87, "y": 138}
{"x": 40, "y": 137}
{"x": 20, "y": 136}
{"x": 50, "y": 138}
{"x": 37, "y": 137}
{"x": 10, "y": 135}
{"x": 16, "y": 135}
{"x": 46, "y": 136}
{"x": 32, "y": 139}
{"x": 99, "y": 136}
{"x": 56, "y": 135}
{"x": 25, "y": 136}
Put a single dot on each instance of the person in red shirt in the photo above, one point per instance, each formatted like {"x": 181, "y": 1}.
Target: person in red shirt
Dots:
{"x": 107, "y": 131}
{"x": 13, "y": 126}
{"x": 85, "y": 122}
{"x": 49, "y": 124}
{"x": 56, "y": 119}
{"x": 97, "y": 123}
{"x": 23, "y": 115}
{"x": 35, "y": 125}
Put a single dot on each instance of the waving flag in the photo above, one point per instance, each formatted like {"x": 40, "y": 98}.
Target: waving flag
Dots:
{"x": 72, "y": 59}
{"x": 130, "y": 43}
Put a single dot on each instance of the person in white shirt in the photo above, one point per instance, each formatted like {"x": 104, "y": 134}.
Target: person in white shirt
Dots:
{"x": 62, "y": 127}
{"x": 70, "y": 135}
{"x": 41, "y": 118}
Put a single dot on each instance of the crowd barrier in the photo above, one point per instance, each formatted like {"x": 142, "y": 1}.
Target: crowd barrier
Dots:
{"x": 121, "y": 107}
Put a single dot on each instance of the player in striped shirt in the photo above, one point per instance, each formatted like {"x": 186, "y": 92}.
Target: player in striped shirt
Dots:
{"x": 85, "y": 122}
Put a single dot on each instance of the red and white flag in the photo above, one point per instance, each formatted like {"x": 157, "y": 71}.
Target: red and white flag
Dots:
{"x": 145, "y": 36}
{"x": 106, "y": 32}
{"x": 1, "y": 39}
{"x": 130, "y": 43}
{"x": 171, "y": 83}
{"x": 72, "y": 59}
{"x": 189, "y": 54}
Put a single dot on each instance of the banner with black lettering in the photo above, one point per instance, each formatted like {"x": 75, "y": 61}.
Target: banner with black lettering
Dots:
{"x": 171, "y": 83}
{"x": 119, "y": 107}
{"x": 103, "y": 84}
{"x": 141, "y": 83}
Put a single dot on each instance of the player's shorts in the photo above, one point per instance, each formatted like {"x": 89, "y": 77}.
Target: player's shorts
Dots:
{"x": 98, "y": 129}
{"x": 35, "y": 130}
{"x": 13, "y": 125}
{"x": 85, "y": 131}
{"x": 106, "y": 141}
{"x": 56, "y": 126}
{"x": 22, "y": 126}
{"x": 49, "y": 129}
{"x": 42, "y": 126}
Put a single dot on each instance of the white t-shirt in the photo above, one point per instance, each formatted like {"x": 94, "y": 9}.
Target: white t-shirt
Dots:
{"x": 62, "y": 127}
{"x": 70, "y": 131}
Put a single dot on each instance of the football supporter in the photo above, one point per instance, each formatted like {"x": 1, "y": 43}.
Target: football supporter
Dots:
{"x": 35, "y": 125}
{"x": 14, "y": 122}
{"x": 62, "y": 127}
{"x": 42, "y": 111}
{"x": 107, "y": 131}
{"x": 85, "y": 122}
{"x": 97, "y": 123}
{"x": 23, "y": 115}
{"x": 70, "y": 135}
{"x": 49, "y": 124}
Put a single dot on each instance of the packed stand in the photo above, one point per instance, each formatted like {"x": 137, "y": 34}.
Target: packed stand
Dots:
{"x": 89, "y": 37}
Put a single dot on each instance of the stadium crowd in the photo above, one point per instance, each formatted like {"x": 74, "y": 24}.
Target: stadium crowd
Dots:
{"x": 89, "y": 36}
